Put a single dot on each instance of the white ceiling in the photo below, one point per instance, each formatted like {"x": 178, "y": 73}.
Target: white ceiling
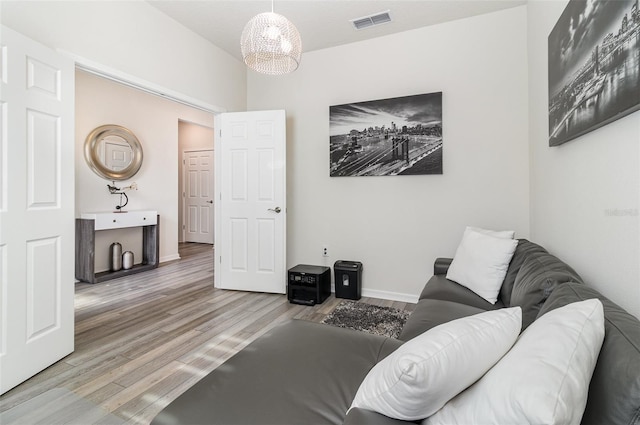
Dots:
{"x": 321, "y": 23}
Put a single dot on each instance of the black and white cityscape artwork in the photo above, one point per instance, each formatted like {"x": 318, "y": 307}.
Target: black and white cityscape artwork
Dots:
{"x": 397, "y": 136}
{"x": 594, "y": 66}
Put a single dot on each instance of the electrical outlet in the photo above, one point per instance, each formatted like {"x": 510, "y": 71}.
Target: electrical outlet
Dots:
{"x": 325, "y": 250}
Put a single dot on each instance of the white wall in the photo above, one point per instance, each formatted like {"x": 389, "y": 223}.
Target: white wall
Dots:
{"x": 584, "y": 193}
{"x": 398, "y": 225}
{"x": 134, "y": 38}
{"x": 154, "y": 121}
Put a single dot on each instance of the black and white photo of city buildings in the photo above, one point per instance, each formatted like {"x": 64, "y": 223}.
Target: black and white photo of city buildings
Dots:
{"x": 397, "y": 136}
{"x": 594, "y": 66}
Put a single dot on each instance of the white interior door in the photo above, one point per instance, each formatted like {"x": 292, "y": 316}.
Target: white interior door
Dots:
{"x": 251, "y": 228}
{"x": 36, "y": 208}
{"x": 198, "y": 196}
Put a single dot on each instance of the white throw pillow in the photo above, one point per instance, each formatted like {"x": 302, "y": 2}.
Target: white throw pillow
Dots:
{"x": 481, "y": 262}
{"x": 504, "y": 234}
{"x": 425, "y": 372}
{"x": 543, "y": 379}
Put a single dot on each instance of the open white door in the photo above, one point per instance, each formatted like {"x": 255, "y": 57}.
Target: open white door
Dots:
{"x": 36, "y": 208}
{"x": 251, "y": 188}
{"x": 198, "y": 196}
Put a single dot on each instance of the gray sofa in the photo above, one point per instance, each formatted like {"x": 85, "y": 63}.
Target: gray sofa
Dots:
{"x": 308, "y": 373}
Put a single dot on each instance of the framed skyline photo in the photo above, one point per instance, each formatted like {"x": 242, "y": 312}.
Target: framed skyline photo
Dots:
{"x": 594, "y": 67}
{"x": 389, "y": 137}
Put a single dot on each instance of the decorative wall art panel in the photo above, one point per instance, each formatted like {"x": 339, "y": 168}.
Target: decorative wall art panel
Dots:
{"x": 594, "y": 67}
{"x": 397, "y": 136}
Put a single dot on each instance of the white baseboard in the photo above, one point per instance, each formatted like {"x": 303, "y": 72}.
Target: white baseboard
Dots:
{"x": 385, "y": 295}
{"x": 169, "y": 258}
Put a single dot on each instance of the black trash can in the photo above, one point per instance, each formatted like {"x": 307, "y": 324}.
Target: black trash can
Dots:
{"x": 348, "y": 279}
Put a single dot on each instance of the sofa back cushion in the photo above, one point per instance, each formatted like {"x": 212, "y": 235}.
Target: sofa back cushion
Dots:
{"x": 441, "y": 288}
{"x": 539, "y": 275}
{"x": 524, "y": 249}
{"x": 614, "y": 392}
{"x": 430, "y": 313}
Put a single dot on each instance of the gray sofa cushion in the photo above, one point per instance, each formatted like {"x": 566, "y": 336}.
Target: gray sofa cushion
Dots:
{"x": 431, "y": 313}
{"x": 367, "y": 417}
{"x": 524, "y": 249}
{"x": 441, "y": 288}
{"x": 614, "y": 392}
{"x": 298, "y": 373}
{"x": 539, "y": 275}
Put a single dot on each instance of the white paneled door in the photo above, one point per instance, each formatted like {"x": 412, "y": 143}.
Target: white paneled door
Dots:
{"x": 251, "y": 189}
{"x": 198, "y": 196}
{"x": 36, "y": 208}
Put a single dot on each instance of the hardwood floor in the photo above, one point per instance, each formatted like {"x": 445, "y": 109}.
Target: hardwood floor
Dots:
{"x": 142, "y": 340}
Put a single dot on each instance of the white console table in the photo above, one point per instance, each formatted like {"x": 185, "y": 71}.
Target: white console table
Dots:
{"x": 90, "y": 223}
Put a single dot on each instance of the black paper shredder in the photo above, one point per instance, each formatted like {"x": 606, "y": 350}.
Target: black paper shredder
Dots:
{"x": 348, "y": 279}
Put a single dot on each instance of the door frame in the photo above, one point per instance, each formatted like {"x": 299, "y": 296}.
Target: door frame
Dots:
{"x": 120, "y": 77}
{"x": 217, "y": 147}
{"x": 183, "y": 191}
{"x": 115, "y": 75}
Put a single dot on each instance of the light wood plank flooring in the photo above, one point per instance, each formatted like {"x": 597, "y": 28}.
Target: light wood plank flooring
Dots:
{"x": 142, "y": 340}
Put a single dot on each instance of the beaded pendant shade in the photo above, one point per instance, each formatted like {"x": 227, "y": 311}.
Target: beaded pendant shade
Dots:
{"x": 271, "y": 44}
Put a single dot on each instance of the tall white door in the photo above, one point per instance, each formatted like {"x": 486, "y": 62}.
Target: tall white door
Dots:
{"x": 251, "y": 188}
{"x": 198, "y": 196}
{"x": 36, "y": 208}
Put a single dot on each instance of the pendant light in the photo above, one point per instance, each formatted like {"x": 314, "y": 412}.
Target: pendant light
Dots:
{"x": 271, "y": 44}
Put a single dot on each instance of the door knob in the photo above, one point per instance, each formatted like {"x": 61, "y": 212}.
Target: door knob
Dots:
{"x": 210, "y": 202}
{"x": 275, "y": 210}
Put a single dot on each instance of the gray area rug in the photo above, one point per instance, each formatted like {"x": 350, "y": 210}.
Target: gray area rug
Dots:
{"x": 385, "y": 321}
{"x": 61, "y": 407}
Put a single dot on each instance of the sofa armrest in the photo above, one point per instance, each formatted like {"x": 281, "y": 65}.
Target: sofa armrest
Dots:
{"x": 441, "y": 265}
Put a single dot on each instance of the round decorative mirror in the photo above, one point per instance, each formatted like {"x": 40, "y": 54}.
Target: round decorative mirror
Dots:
{"x": 113, "y": 152}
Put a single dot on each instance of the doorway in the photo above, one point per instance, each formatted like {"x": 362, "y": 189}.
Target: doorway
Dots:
{"x": 196, "y": 183}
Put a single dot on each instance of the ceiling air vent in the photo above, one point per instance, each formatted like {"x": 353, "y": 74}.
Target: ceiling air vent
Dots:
{"x": 371, "y": 20}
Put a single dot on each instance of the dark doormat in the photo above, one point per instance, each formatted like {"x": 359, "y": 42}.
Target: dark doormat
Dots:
{"x": 385, "y": 321}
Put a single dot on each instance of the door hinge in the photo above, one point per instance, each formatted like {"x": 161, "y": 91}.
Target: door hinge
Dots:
{"x": 183, "y": 227}
{"x": 220, "y": 133}
{"x": 221, "y": 259}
